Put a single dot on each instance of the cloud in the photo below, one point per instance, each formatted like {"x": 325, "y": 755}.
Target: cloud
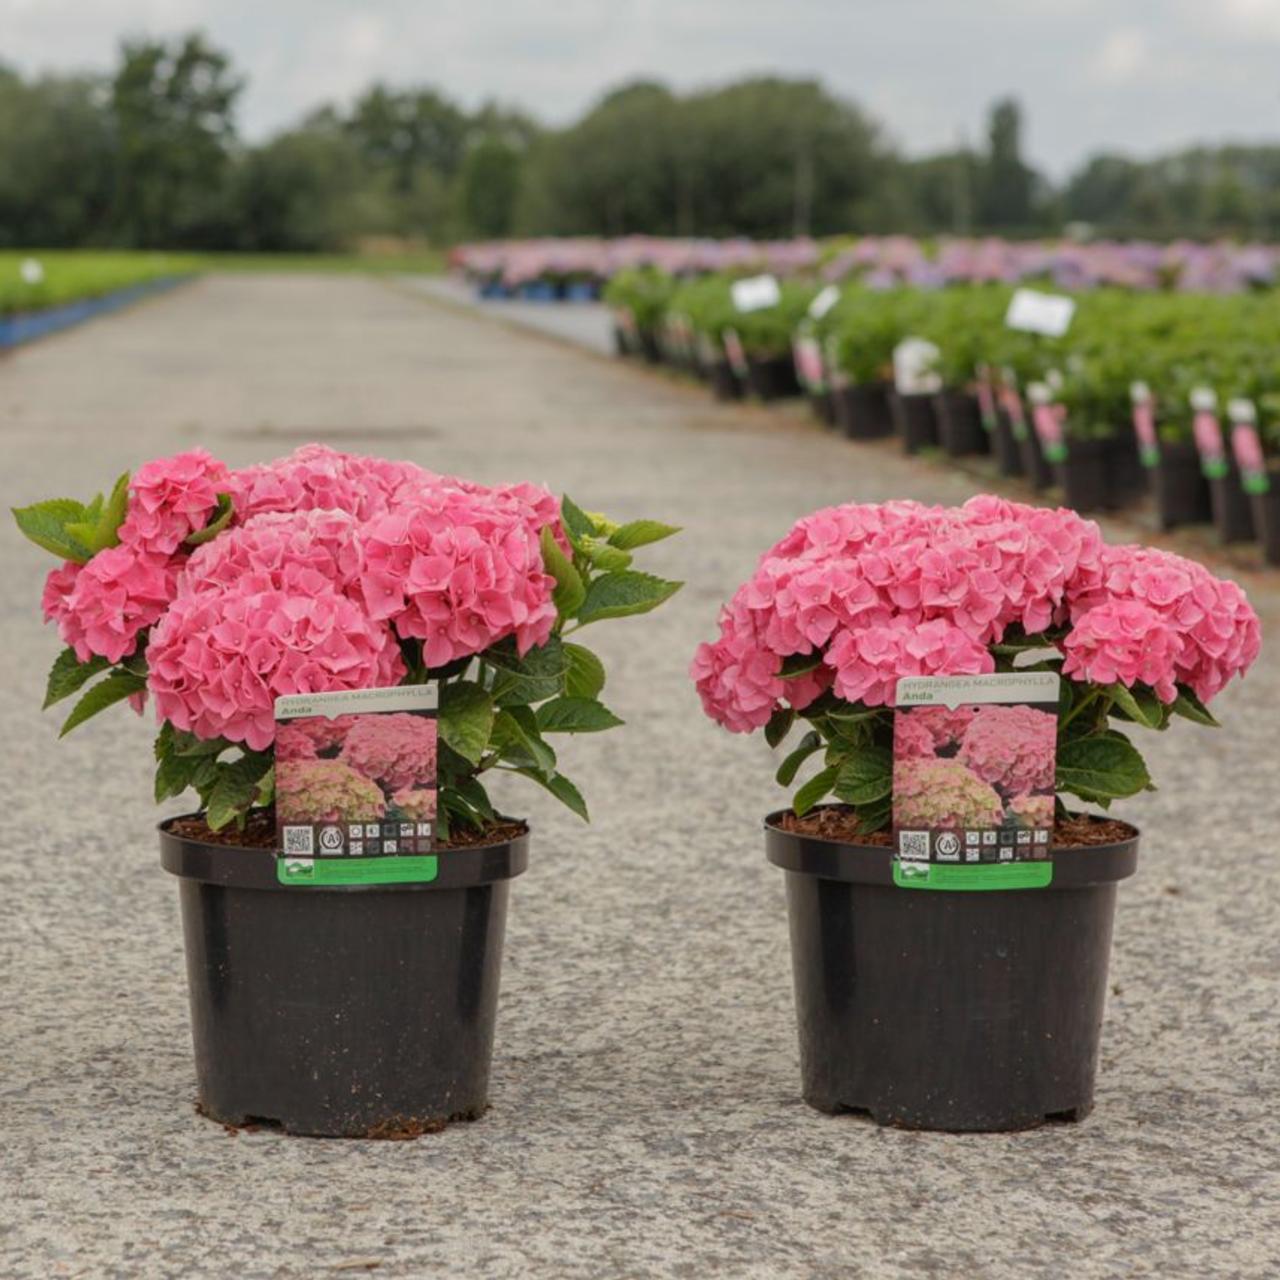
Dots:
{"x": 1122, "y": 56}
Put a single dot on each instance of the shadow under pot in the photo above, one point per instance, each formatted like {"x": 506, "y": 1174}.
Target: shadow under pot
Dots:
{"x": 960, "y": 423}
{"x": 1181, "y": 490}
{"x": 862, "y": 410}
{"x": 342, "y": 1011}
{"x": 772, "y": 377}
{"x": 945, "y": 1010}
{"x": 915, "y": 420}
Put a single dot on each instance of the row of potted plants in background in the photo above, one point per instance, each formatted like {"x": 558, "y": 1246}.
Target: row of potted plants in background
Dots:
{"x": 1173, "y": 394}
{"x": 368, "y": 1008}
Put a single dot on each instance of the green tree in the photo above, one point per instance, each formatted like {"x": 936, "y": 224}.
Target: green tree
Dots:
{"x": 489, "y": 184}
{"x": 1008, "y": 185}
{"x": 171, "y": 105}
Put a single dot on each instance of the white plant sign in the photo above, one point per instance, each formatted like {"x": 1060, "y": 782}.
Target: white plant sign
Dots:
{"x": 914, "y": 367}
{"x": 755, "y": 293}
{"x": 824, "y": 301}
{"x": 1048, "y": 314}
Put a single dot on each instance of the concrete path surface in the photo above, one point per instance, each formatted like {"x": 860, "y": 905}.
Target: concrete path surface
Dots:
{"x": 646, "y": 1118}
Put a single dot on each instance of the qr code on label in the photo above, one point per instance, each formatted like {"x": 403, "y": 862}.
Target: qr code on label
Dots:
{"x": 299, "y": 840}
{"x": 913, "y": 844}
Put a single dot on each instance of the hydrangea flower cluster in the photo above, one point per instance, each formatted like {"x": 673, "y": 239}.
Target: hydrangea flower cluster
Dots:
{"x": 326, "y": 791}
{"x": 309, "y": 737}
{"x": 1031, "y": 811}
{"x": 397, "y": 750}
{"x": 946, "y": 726}
{"x": 904, "y": 589}
{"x": 417, "y": 803}
{"x": 943, "y": 793}
{"x": 1011, "y": 747}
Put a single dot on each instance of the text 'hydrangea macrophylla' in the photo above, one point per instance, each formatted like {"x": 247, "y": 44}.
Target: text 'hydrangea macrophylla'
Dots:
{"x": 170, "y": 499}
{"x": 219, "y": 658}
{"x": 326, "y": 791}
{"x": 418, "y": 803}
{"x": 1011, "y": 747}
{"x": 459, "y": 572}
{"x": 397, "y": 750}
{"x": 101, "y": 607}
{"x": 943, "y": 793}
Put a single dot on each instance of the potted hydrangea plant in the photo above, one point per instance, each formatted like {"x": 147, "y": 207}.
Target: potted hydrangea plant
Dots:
{"x": 359, "y": 1009}
{"x": 960, "y": 1010}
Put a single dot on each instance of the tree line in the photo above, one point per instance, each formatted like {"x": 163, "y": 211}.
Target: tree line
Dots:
{"x": 148, "y": 156}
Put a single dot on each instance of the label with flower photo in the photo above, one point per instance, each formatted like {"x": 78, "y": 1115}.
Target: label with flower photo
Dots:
{"x": 356, "y": 787}
{"x": 1206, "y": 431}
{"x": 1246, "y": 446}
{"x": 974, "y": 760}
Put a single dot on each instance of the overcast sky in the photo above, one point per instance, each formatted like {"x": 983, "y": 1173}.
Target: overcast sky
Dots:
{"x": 1132, "y": 75}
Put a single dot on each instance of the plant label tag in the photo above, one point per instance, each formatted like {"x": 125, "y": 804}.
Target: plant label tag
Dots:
{"x": 824, "y": 301}
{"x": 1048, "y": 314}
{"x": 1206, "y": 430}
{"x": 1047, "y": 420}
{"x": 735, "y": 353}
{"x": 1246, "y": 446}
{"x": 974, "y": 761}
{"x": 1144, "y": 423}
{"x": 837, "y": 379}
{"x": 755, "y": 293}
{"x": 914, "y": 361}
{"x": 985, "y": 389}
{"x": 357, "y": 787}
{"x": 807, "y": 351}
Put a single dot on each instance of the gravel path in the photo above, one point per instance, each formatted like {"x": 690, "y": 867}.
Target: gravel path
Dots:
{"x": 646, "y": 1118}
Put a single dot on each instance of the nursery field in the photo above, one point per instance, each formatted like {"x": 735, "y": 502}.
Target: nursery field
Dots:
{"x": 646, "y": 1117}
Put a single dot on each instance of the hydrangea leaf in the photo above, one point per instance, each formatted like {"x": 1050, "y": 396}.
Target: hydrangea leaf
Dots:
{"x": 68, "y": 674}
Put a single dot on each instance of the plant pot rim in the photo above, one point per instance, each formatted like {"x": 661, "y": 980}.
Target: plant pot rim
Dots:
{"x": 239, "y": 867}
{"x": 1073, "y": 867}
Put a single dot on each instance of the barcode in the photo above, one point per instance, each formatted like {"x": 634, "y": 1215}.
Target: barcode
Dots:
{"x": 298, "y": 840}
{"x": 913, "y": 844}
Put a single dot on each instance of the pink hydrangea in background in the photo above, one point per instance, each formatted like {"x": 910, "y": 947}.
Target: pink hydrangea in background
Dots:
{"x": 170, "y": 499}
{"x": 311, "y": 736}
{"x": 397, "y": 750}
{"x": 325, "y": 791}
{"x": 942, "y": 793}
{"x": 1032, "y": 811}
{"x": 220, "y": 657}
{"x": 912, "y": 739}
{"x": 1012, "y": 748}
{"x": 946, "y": 726}
{"x": 418, "y": 803}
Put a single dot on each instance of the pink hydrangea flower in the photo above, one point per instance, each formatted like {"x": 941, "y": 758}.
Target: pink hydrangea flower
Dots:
{"x": 101, "y": 608}
{"x": 945, "y": 725}
{"x": 912, "y": 739}
{"x": 943, "y": 793}
{"x": 170, "y": 499}
{"x": 311, "y": 736}
{"x": 868, "y": 663}
{"x": 1125, "y": 641}
{"x": 397, "y": 750}
{"x": 1011, "y": 747}
{"x": 219, "y": 658}
{"x": 326, "y": 791}
{"x": 418, "y": 803}
{"x": 1032, "y": 811}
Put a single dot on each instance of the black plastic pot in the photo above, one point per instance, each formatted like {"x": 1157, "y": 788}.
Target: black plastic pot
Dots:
{"x": 915, "y": 421}
{"x": 1266, "y": 519}
{"x": 1086, "y": 475}
{"x": 352, "y": 1011}
{"x": 1232, "y": 509}
{"x": 725, "y": 384}
{"x": 1035, "y": 465}
{"x": 772, "y": 377}
{"x": 649, "y": 346}
{"x": 823, "y": 408}
{"x": 1182, "y": 492}
{"x": 960, "y": 423}
{"x": 862, "y": 410}
{"x": 957, "y": 1011}
{"x": 1007, "y": 449}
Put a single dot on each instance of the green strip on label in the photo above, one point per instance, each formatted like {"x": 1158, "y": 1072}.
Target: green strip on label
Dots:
{"x": 1037, "y": 874}
{"x": 321, "y": 871}
{"x": 1150, "y": 456}
{"x": 1256, "y": 482}
{"x": 1215, "y": 468}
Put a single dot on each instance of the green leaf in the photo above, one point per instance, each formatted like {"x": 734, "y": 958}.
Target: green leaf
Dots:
{"x": 539, "y": 675}
{"x": 639, "y": 533}
{"x": 1190, "y": 707}
{"x": 620, "y": 595}
{"x": 817, "y": 788}
{"x": 788, "y": 769}
{"x": 570, "y": 591}
{"x": 584, "y": 677}
{"x": 603, "y": 556}
{"x": 221, "y": 517}
{"x": 1139, "y": 704}
{"x": 865, "y": 776}
{"x": 68, "y": 674}
{"x": 516, "y": 735}
{"x": 779, "y": 725}
{"x": 466, "y": 719}
{"x": 113, "y": 514}
{"x": 799, "y": 664}
{"x": 235, "y": 789}
{"x": 575, "y": 715}
{"x": 1102, "y": 766}
{"x": 875, "y": 816}
{"x": 115, "y": 688}
{"x": 562, "y": 789}
{"x": 174, "y": 774}
{"x": 577, "y": 524}
{"x": 44, "y": 523}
